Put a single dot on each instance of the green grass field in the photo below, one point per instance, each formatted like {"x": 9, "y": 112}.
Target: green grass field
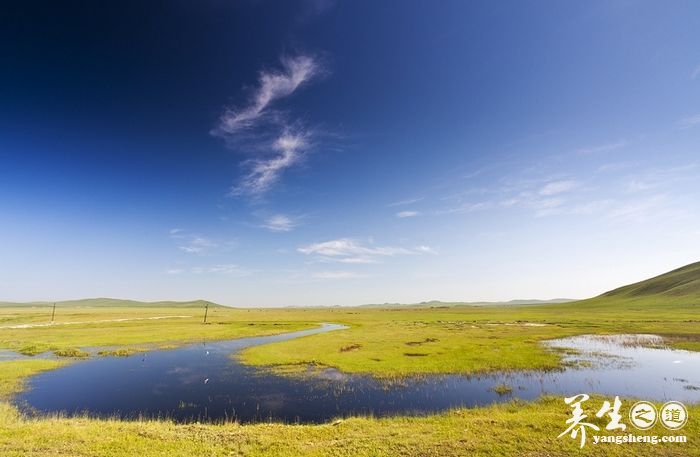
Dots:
{"x": 450, "y": 338}
{"x": 386, "y": 342}
{"x": 511, "y": 429}
{"x": 134, "y": 328}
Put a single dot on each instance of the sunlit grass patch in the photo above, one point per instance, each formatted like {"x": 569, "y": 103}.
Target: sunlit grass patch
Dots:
{"x": 71, "y": 352}
{"x": 513, "y": 428}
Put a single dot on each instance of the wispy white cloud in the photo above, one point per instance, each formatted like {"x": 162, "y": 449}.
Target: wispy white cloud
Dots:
{"x": 661, "y": 177}
{"x": 426, "y": 250}
{"x": 635, "y": 209}
{"x": 280, "y": 223}
{"x": 192, "y": 243}
{"x": 547, "y": 206}
{"x": 614, "y": 166}
{"x": 558, "y": 187}
{"x": 265, "y": 172}
{"x": 271, "y": 86}
{"x": 198, "y": 245}
{"x": 468, "y": 207}
{"x": 230, "y": 270}
{"x": 621, "y": 189}
{"x": 407, "y": 201}
{"x": 638, "y": 210}
{"x": 260, "y": 129}
{"x": 592, "y": 207}
{"x": 640, "y": 185}
{"x": 695, "y": 72}
{"x": 337, "y": 275}
{"x": 607, "y": 147}
{"x": 690, "y": 121}
{"x": 545, "y": 196}
{"x": 403, "y": 214}
{"x": 347, "y": 250}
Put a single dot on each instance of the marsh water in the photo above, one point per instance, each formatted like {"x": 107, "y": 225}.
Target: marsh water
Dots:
{"x": 203, "y": 382}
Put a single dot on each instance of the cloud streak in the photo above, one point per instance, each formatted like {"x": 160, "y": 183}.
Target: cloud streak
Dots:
{"x": 690, "y": 121}
{"x": 229, "y": 270}
{"x": 280, "y": 223}
{"x": 257, "y": 127}
{"x": 695, "y": 72}
{"x": 271, "y": 86}
{"x": 336, "y": 275}
{"x": 350, "y": 251}
{"x": 192, "y": 243}
{"x": 407, "y": 201}
{"x": 264, "y": 173}
{"x": 557, "y": 187}
{"x": 607, "y": 147}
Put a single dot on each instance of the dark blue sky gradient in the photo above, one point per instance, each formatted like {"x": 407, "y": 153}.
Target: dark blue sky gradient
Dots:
{"x": 469, "y": 108}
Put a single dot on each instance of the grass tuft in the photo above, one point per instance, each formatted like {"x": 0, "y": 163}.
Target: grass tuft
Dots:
{"x": 71, "y": 352}
{"x": 502, "y": 389}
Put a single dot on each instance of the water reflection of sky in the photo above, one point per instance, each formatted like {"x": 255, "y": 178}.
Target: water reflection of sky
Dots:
{"x": 202, "y": 382}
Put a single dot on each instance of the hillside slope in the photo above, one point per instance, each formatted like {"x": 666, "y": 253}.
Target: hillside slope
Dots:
{"x": 681, "y": 282}
{"x": 117, "y": 303}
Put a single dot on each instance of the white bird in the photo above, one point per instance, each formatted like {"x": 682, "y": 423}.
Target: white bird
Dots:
{"x": 206, "y": 380}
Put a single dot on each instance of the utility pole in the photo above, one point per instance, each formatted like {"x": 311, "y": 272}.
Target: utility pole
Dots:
{"x": 206, "y": 311}
{"x": 53, "y": 313}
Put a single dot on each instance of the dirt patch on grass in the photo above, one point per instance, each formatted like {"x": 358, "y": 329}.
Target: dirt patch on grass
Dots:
{"x": 350, "y": 347}
{"x": 419, "y": 343}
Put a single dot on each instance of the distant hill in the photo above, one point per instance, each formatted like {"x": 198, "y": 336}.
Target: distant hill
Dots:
{"x": 681, "y": 282}
{"x": 116, "y": 303}
{"x": 441, "y": 304}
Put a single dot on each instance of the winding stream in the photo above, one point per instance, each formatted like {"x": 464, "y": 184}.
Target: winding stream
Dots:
{"x": 202, "y": 382}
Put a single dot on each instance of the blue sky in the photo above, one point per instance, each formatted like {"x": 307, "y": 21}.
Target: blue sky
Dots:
{"x": 260, "y": 153}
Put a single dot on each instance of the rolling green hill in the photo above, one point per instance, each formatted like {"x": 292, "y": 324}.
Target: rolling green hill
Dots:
{"x": 681, "y": 282}
{"x": 116, "y": 303}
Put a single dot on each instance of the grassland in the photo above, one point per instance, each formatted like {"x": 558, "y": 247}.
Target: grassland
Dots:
{"x": 389, "y": 342}
{"x": 511, "y": 429}
{"x": 29, "y": 330}
{"x": 450, "y": 338}
{"x": 380, "y": 341}
{"x": 384, "y": 341}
